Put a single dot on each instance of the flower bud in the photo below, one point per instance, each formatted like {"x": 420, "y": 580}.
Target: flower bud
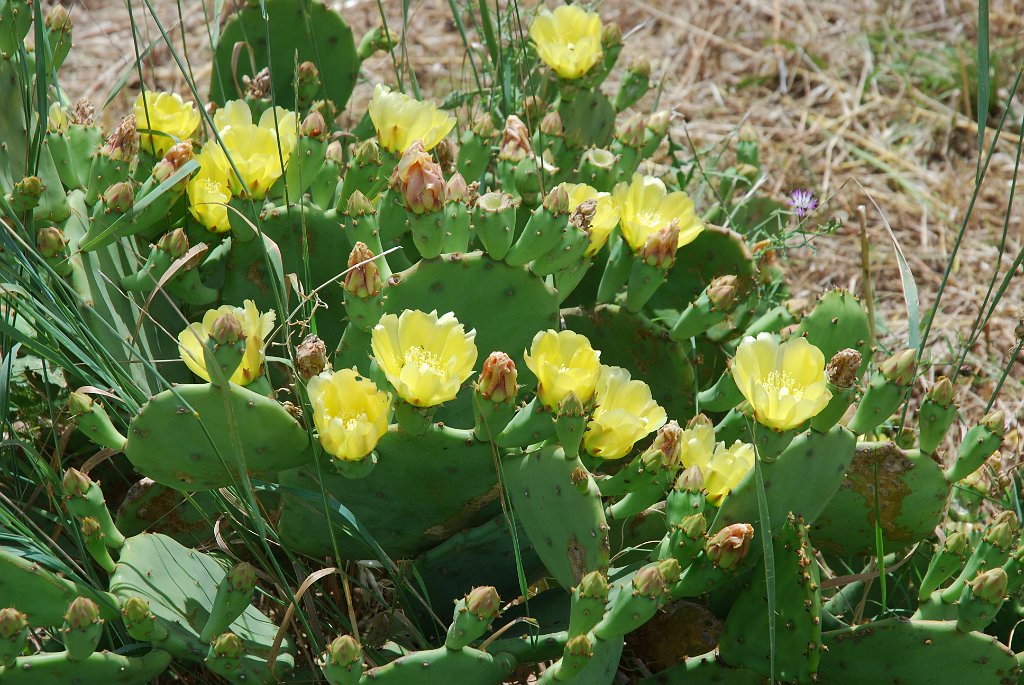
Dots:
{"x": 90, "y": 527}
{"x": 483, "y": 602}
{"x": 515, "y": 140}
{"x": 956, "y": 543}
{"x": 51, "y": 242}
{"x": 358, "y": 205}
{"x": 226, "y": 329}
{"x": 594, "y": 585}
{"x": 76, "y": 483}
{"x": 498, "y": 378}
{"x": 557, "y": 200}
{"x": 79, "y": 403}
{"x": 649, "y": 582}
{"x": 26, "y": 193}
{"x": 257, "y": 87}
{"x": 363, "y": 279}
{"x": 1002, "y": 530}
{"x": 314, "y": 126}
{"x": 722, "y": 292}
{"x": 690, "y": 480}
{"x": 174, "y": 243}
{"x": 344, "y": 650}
{"x": 658, "y": 122}
{"x": 841, "y": 370}
{"x": 56, "y": 118}
{"x": 177, "y": 156}
{"x": 446, "y": 154}
{"x": 83, "y": 112}
{"x": 242, "y": 577}
{"x": 579, "y": 646}
{"x": 457, "y": 190}
{"x": 58, "y": 19}
{"x": 311, "y": 357}
{"x": 660, "y": 248}
{"x": 228, "y": 646}
{"x": 990, "y": 586}
{"x": 630, "y": 131}
{"x": 670, "y": 570}
{"x": 611, "y": 35}
{"x": 942, "y": 392}
{"x": 640, "y": 66}
{"x": 123, "y": 143}
{"x": 334, "y": 152}
{"x": 899, "y": 368}
{"x": 82, "y": 612}
{"x": 119, "y": 197}
{"x": 367, "y": 152}
{"x": 306, "y": 72}
{"x": 694, "y": 526}
{"x": 12, "y": 623}
{"x": 669, "y": 441}
{"x": 135, "y": 610}
{"x": 551, "y": 124}
{"x": 727, "y": 548}
{"x": 419, "y": 179}
{"x": 571, "y": 406}
{"x": 995, "y": 421}
{"x": 483, "y": 126}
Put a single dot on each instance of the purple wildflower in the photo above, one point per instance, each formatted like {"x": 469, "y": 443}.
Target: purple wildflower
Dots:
{"x": 803, "y": 202}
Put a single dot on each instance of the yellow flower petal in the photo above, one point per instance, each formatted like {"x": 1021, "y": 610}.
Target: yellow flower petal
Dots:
{"x": 645, "y": 206}
{"x": 568, "y": 40}
{"x": 255, "y": 328}
{"x": 624, "y": 413}
{"x": 605, "y": 218}
{"x": 728, "y": 467}
{"x": 563, "y": 362}
{"x": 166, "y": 113}
{"x": 351, "y": 413}
{"x": 401, "y": 120}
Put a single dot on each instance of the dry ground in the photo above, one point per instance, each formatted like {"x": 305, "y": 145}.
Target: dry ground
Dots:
{"x": 859, "y": 100}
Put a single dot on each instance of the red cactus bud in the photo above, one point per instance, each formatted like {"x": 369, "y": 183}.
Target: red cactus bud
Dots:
{"x": 51, "y": 242}
{"x": 363, "y": 280}
{"x": 119, "y": 197}
{"x": 174, "y": 243}
{"x": 727, "y": 548}
{"x": 498, "y": 378}
{"x": 722, "y": 292}
{"x": 419, "y": 179}
{"x": 175, "y": 158}
{"x": 660, "y": 249}
{"x": 483, "y": 602}
{"x": 457, "y": 190}
{"x": 334, "y": 152}
{"x": 551, "y": 124}
{"x": 226, "y": 329}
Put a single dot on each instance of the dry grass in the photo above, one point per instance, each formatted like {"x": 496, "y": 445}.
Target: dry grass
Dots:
{"x": 859, "y": 100}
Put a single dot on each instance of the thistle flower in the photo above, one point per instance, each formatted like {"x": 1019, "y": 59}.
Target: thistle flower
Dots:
{"x": 645, "y": 206}
{"x": 784, "y": 383}
{"x": 605, "y": 218}
{"x": 803, "y": 202}
{"x": 568, "y": 40}
{"x": 564, "y": 363}
{"x": 350, "y": 412}
{"x": 401, "y": 120}
{"x": 624, "y": 413}
{"x": 425, "y": 357}
{"x": 171, "y": 119}
{"x": 255, "y": 327}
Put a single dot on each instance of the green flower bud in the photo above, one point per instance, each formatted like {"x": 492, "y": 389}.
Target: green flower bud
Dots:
{"x": 694, "y": 526}
{"x": 58, "y": 19}
{"x": 1003, "y": 530}
{"x": 51, "y": 242}
{"x": 334, "y": 152}
{"x": 658, "y": 122}
{"x": 670, "y": 570}
{"x": 690, "y": 480}
{"x": 56, "y": 118}
{"x": 367, "y": 152}
{"x": 557, "y": 200}
{"x": 579, "y": 646}
{"x": 174, "y": 243}
{"x": 594, "y": 585}
{"x": 82, "y": 612}
{"x": 226, "y": 329}
{"x": 996, "y": 422}
{"x": 358, "y": 205}
{"x": 119, "y": 197}
{"x": 723, "y": 292}
{"x": 611, "y": 35}
{"x": 551, "y": 125}
{"x": 728, "y": 547}
{"x": 942, "y": 392}
{"x": 899, "y": 368}
{"x": 956, "y": 543}
{"x": 533, "y": 107}
{"x": 649, "y": 582}
{"x": 344, "y": 650}
{"x": 669, "y": 443}
{"x": 228, "y": 646}
{"x": 242, "y": 577}
{"x": 630, "y": 131}
{"x": 660, "y": 248}
{"x": 90, "y": 527}
{"x": 135, "y": 610}
{"x": 12, "y": 623}
{"x": 990, "y": 586}
{"x": 483, "y": 126}
{"x": 457, "y": 190}
{"x": 483, "y": 602}
{"x": 76, "y": 483}
{"x": 306, "y": 73}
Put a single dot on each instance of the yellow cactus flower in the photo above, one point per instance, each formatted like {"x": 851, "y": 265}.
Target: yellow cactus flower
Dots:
{"x": 784, "y": 383}
{"x": 350, "y": 413}
{"x": 260, "y": 152}
{"x": 425, "y": 357}
{"x": 255, "y": 329}
{"x": 167, "y": 113}
{"x": 645, "y": 206}
{"x": 207, "y": 201}
{"x": 624, "y": 413}
{"x": 563, "y": 362}
{"x": 605, "y": 218}
{"x": 401, "y": 120}
{"x": 698, "y": 444}
{"x": 568, "y": 40}
{"x": 728, "y": 466}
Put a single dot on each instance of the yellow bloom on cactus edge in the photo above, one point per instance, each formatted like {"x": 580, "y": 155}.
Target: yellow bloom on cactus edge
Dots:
{"x": 167, "y": 113}
{"x": 728, "y": 466}
{"x": 624, "y": 413}
{"x": 645, "y": 206}
{"x": 207, "y": 200}
{"x": 257, "y": 150}
{"x": 255, "y": 329}
{"x": 568, "y": 40}
{"x": 784, "y": 383}
{"x": 401, "y": 120}
{"x": 605, "y": 218}
{"x": 350, "y": 413}
{"x": 563, "y": 362}
{"x": 698, "y": 445}
{"x": 426, "y": 358}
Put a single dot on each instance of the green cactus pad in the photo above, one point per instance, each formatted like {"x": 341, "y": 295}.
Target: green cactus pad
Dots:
{"x": 188, "y": 437}
{"x": 100, "y": 667}
{"x": 900, "y": 651}
{"x": 838, "y": 321}
{"x": 317, "y": 33}
{"x": 506, "y": 305}
{"x": 912, "y": 494}
{"x": 465, "y": 666}
{"x": 716, "y": 252}
{"x": 180, "y": 584}
{"x": 802, "y": 481}
{"x": 559, "y": 506}
{"x": 151, "y": 507}
{"x": 588, "y": 118}
{"x": 42, "y": 595}
{"x": 423, "y": 490}
{"x": 634, "y": 342}
{"x": 705, "y": 668}
{"x": 746, "y": 641}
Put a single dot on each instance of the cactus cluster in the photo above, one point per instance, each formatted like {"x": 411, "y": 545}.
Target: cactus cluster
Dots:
{"x": 503, "y": 358}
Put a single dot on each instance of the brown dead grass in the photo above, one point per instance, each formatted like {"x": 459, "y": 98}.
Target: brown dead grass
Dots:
{"x": 861, "y": 101}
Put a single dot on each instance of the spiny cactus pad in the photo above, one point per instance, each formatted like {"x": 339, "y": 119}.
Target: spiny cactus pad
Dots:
{"x": 100, "y": 667}
{"x": 186, "y": 437}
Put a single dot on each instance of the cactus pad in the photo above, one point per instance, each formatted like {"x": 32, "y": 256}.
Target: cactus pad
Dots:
{"x": 100, "y": 667}
{"x": 151, "y": 507}
{"x": 192, "y": 437}
{"x": 838, "y": 321}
